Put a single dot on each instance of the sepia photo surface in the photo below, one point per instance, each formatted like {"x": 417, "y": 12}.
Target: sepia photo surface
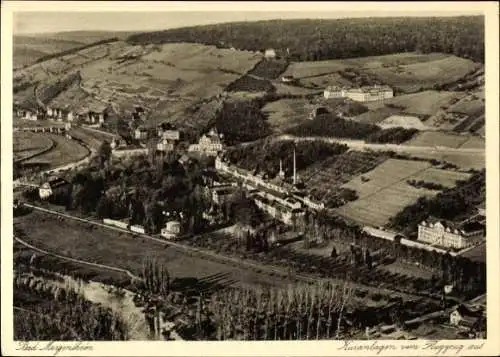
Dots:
{"x": 320, "y": 180}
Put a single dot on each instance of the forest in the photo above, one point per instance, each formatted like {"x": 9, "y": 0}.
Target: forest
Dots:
{"x": 241, "y": 121}
{"x": 323, "y": 39}
{"x": 328, "y": 125}
{"x": 451, "y": 204}
{"x": 265, "y": 156}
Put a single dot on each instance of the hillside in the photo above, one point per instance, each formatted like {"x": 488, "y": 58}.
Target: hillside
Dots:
{"x": 30, "y": 48}
{"x": 313, "y": 40}
{"x": 27, "y": 49}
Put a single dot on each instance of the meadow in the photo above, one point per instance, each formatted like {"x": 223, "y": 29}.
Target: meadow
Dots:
{"x": 434, "y": 138}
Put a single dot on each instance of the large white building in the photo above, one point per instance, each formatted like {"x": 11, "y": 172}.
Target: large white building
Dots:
{"x": 362, "y": 94}
{"x": 209, "y": 144}
{"x": 450, "y": 235}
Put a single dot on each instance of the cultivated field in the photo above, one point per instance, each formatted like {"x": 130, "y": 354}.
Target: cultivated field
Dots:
{"x": 416, "y": 76}
{"x": 27, "y": 144}
{"x": 424, "y": 103}
{"x": 167, "y": 77}
{"x": 24, "y": 123}
{"x": 375, "y": 116}
{"x": 323, "y": 179}
{"x": 317, "y": 68}
{"x": 64, "y": 152}
{"x": 402, "y": 121}
{"x": 384, "y": 191}
{"x": 100, "y": 245}
{"x": 434, "y": 138}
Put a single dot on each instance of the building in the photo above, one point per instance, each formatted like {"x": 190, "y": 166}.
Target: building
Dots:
{"x": 167, "y": 131}
{"x": 287, "y": 79}
{"x": 450, "y": 235}
{"x": 463, "y": 317}
{"x": 171, "y": 230}
{"x": 165, "y": 145}
{"x": 333, "y": 92}
{"x": 209, "y": 144}
{"x": 141, "y": 133}
{"x": 362, "y": 94}
{"x": 369, "y": 94}
{"x": 222, "y": 193}
{"x": 270, "y": 53}
{"x": 54, "y": 187}
{"x": 288, "y": 212}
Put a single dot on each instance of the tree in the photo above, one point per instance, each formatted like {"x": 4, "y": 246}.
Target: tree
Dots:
{"x": 104, "y": 152}
{"x": 333, "y": 254}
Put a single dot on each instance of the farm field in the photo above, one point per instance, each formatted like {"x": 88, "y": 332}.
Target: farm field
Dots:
{"x": 286, "y": 113}
{"x": 26, "y": 144}
{"x": 317, "y": 68}
{"x": 386, "y": 191}
{"x": 99, "y": 245}
{"x": 416, "y": 76}
{"x": 474, "y": 142}
{"x": 168, "y": 77}
{"x": 433, "y": 139}
{"x": 375, "y": 116}
{"x": 424, "y": 103}
{"x": 402, "y": 121}
{"x": 64, "y": 152}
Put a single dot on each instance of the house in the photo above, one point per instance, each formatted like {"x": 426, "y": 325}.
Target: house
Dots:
{"x": 463, "y": 317}
{"x": 449, "y": 234}
{"x": 171, "y": 230}
{"x": 270, "y": 53}
{"x": 167, "y": 131}
{"x": 141, "y": 133}
{"x": 54, "y": 187}
{"x": 209, "y": 144}
{"x": 165, "y": 145}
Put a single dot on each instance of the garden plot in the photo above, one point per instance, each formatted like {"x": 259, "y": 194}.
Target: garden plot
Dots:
{"x": 26, "y": 144}
{"x": 384, "y": 191}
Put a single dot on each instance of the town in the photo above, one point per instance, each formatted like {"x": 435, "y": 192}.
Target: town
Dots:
{"x": 234, "y": 193}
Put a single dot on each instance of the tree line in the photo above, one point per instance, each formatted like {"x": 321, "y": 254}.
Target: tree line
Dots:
{"x": 264, "y": 156}
{"x": 323, "y": 39}
{"x": 329, "y": 125}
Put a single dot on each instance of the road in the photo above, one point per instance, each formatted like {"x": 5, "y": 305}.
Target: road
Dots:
{"x": 409, "y": 149}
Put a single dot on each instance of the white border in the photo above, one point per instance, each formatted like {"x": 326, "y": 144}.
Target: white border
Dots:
{"x": 324, "y": 348}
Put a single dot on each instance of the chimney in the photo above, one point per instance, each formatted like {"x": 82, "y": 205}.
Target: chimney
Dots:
{"x": 294, "y": 168}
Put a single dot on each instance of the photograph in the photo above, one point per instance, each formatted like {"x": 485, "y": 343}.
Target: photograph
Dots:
{"x": 241, "y": 175}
